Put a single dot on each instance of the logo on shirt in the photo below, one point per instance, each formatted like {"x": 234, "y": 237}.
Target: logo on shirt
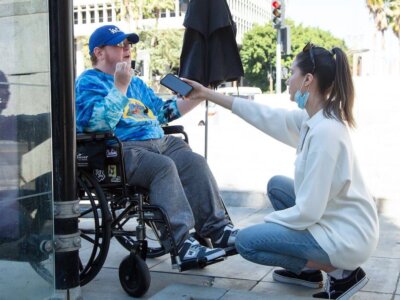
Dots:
{"x": 137, "y": 111}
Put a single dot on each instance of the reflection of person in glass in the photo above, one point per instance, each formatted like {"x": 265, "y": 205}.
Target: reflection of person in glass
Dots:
{"x": 9, "y": 210}
{"x": 19, "y": 135}
{"x": 7, "y": 157}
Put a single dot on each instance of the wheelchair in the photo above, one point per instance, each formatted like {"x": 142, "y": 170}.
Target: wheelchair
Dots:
{"x": 110, "y": 207}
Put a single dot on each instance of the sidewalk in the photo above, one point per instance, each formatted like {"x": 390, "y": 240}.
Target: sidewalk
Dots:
{"x": 236, "y": 278}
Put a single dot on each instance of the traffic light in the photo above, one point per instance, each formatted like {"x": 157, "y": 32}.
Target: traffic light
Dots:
{"x": 277, "y": 13}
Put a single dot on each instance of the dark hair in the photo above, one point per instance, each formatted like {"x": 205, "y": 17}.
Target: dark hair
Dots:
{"x": 3, "y": 81}
{"x": 93, "y": 59}
{"x": 332, "y": 70}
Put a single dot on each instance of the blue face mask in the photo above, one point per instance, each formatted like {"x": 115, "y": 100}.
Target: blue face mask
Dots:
{"x": 301, "y": 98}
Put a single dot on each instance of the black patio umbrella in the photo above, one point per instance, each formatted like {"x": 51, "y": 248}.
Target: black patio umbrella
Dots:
{"x": 210, "y": 54}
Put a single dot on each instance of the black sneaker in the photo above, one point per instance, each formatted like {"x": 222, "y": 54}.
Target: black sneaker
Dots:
{"x": 191, "y": 249}
{"x": 228, "y": 237}
{"x": 313, "y": 279}
{"x": 343, "y": 288}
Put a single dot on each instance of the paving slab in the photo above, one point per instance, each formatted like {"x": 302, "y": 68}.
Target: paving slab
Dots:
{"x": 371, "y": 296}
{"x": 238, "y": 284}
{"x": 188, "y": 292}
{"x": 389, "y": 238}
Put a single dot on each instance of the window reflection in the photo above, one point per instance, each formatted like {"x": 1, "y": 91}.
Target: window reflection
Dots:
{"x": 25, "y": 186}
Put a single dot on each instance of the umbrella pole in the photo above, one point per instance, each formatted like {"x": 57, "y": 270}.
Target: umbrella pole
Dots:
{"x": 206, "y": 132}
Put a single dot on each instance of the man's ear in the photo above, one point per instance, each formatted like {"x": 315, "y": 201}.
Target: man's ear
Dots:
{"x": 98, "y": 52}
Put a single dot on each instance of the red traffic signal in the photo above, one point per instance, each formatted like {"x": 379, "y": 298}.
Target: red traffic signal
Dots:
{"x": 277, "y": 13}
{"x": 276, "y": 4}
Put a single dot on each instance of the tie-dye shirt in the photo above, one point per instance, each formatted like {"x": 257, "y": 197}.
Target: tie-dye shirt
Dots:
{"x": 102, "y": 107}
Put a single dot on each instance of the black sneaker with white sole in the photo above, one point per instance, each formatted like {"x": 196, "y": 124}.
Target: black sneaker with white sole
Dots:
{"x": 343, "y": 288}
{"x": 310, "y": 279}
{"x": 192, "y": 250}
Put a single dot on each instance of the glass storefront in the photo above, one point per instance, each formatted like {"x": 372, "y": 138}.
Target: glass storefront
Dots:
{"x": 26, "y": 212}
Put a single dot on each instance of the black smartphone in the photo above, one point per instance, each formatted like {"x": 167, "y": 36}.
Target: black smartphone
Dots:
{"x": 177, "y": 85}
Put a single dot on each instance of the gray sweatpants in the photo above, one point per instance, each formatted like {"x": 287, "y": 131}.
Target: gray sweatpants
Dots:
{"x": 181, "y": 182}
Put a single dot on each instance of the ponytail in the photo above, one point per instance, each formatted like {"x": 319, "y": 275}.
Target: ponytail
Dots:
{"x": 341, "y": 98}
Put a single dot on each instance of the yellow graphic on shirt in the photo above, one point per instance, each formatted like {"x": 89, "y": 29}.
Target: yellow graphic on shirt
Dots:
{"x": 137, "y": 111}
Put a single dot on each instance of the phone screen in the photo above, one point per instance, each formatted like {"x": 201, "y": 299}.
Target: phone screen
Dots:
{"x": 177, "y": 85}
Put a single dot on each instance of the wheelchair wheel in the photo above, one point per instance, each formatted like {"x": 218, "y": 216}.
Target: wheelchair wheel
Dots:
{"x": 134, "y": 276}
{"x": 94, "y": 225}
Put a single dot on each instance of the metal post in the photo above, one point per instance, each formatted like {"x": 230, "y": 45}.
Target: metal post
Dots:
{"x": 66, "y": 207}
{"x": 278, "y": 61}
{"x": 278, "y": 67}
{"x": 206, "y": 132}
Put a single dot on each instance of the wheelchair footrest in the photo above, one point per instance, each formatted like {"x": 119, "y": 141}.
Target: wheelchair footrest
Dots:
{"x": 196, "y": 263}
{"x": 230, "y": 251}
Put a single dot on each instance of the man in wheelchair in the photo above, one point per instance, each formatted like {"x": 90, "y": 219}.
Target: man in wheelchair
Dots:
{"x": 110, "y": 97}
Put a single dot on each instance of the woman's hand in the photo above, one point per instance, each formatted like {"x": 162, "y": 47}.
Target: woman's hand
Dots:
{"x": 199, "y": 92}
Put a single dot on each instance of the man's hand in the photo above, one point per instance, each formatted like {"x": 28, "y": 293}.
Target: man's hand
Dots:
{"x": 122, "y": 76}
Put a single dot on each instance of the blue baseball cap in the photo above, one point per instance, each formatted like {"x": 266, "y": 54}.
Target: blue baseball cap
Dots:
{"x": 110, "y": 35}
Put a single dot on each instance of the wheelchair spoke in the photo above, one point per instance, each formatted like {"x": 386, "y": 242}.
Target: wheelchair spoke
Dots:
{"x": 94, "y": 227}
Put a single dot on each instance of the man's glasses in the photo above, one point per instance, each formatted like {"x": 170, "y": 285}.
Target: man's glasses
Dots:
{"x": 309, "y": 48}
{"x": 122, "y": 44}
{"x": 119, "y": 45}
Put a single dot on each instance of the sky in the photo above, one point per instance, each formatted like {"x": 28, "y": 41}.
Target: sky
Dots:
{"x": 346, "y": 19}
{"x": 338, "y": 16}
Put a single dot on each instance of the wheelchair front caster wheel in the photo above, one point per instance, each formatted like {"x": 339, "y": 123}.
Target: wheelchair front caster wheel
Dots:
{"x": 134, "y": 276}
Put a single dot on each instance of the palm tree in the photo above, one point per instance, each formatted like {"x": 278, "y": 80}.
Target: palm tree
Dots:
{"x": 394, "y": 16}
{"x": 394, "y": 19}
{"x": 377, "y": 9}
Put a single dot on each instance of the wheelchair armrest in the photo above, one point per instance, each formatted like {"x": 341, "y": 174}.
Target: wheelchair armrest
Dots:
{"x": 94, "y": 136}
{"x": 176, "y": 129}
{"x": 171, "y": 129}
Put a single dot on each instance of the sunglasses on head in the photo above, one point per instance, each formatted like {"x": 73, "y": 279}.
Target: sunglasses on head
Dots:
{"x": 309, "y": 48}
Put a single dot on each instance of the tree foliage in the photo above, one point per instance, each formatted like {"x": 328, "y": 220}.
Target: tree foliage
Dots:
{"x": 386, "y": 14}
{"x": 161, "y": 44}
{"x": 165, "y": 53}
{"x": 143, "y": 9}
{"x": 258, "y": 52}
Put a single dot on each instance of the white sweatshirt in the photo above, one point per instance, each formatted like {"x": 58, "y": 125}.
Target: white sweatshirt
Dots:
{"x": 332, "y": 201}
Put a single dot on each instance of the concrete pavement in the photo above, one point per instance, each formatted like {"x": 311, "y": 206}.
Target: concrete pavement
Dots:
{"x": 236, "y": 278}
